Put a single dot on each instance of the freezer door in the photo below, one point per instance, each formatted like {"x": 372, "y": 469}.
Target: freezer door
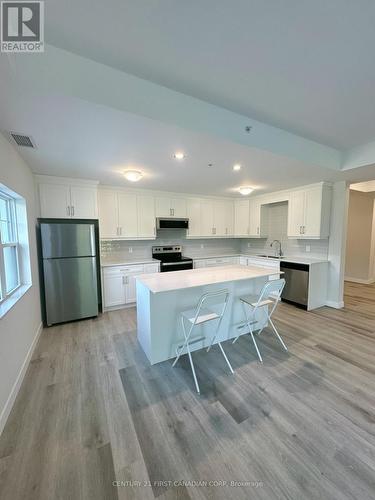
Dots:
{"x": 71, "y": 290}
{"x": 61, "y": 240}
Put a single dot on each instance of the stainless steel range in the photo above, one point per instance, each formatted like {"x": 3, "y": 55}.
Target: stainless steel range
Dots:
{"x": 171, "y": 258}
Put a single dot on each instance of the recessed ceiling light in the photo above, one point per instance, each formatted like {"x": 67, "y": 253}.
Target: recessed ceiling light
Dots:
{"x": 133, "y": 175}
{"x": 236, "y": 167}
{"x": 245, "y": 190}
{"x": 179, "y": 155}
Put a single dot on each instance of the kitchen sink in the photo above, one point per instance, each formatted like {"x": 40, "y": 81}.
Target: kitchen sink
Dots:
{"x": 269, "y": 256}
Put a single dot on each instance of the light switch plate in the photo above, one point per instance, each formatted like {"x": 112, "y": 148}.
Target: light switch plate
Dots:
{"x": 248, "y": 245}
{"x": 308, "y": 249}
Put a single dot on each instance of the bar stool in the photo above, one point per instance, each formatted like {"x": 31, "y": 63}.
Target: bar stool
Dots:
{"x": 268, "y": 299}
{"x": 201, "y": 315}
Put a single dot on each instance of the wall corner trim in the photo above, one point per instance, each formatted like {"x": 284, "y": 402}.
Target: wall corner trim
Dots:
{"x": 21, "y": 374}
{"x": 335, "y": 305}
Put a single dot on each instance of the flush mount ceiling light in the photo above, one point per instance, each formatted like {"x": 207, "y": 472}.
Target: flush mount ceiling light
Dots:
{"x": 179, "y": 155}
{"x": 245, "y": 190}
{"x": 236, "y": 167}
{"x": 133, "y": 175}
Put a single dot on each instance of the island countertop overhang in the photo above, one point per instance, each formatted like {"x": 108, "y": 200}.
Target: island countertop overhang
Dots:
{"x": 190, "y": 278}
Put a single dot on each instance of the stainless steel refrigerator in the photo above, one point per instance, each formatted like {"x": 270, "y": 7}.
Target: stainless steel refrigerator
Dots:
{"x": 70, "y": 270}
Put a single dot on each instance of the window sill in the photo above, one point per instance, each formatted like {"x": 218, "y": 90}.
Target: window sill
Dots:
{"x": 13, "y": 299}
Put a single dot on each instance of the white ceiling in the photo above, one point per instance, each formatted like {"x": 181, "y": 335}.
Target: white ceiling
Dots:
{"x": 81, "y": 139}
{"x": 305, "y": 66}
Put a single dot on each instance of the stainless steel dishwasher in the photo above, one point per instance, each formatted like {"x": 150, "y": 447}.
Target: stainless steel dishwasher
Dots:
{"x": 296, "y": 290}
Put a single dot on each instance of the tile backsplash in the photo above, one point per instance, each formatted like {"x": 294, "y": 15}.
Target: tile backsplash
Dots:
{"x": 190, "y": 248}
{"x": 277, "y": 230}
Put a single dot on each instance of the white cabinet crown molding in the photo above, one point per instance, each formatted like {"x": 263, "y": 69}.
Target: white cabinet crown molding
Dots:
{"x": 51, "y": 179}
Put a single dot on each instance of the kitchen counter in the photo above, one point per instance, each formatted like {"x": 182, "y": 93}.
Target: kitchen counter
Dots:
{"x": 299, "y": 260}
{"x": 162, "y": 297}
{"x": 190, "y": 278}
{"x": 127, "y": 261}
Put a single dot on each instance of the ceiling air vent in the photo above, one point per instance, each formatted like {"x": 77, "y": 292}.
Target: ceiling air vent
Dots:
{"x": 22, "y": 140}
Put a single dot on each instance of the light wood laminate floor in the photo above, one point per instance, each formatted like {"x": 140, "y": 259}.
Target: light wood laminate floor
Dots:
{"x": 92, "y": 411}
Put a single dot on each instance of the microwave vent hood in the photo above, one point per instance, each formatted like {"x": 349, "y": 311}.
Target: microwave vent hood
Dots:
{"x": 169, "y": 223}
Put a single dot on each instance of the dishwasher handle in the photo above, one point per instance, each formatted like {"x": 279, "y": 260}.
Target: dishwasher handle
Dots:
{"x": 296, "y": 266}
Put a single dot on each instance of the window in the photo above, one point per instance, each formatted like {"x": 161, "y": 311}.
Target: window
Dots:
{"x": 9, "y": 262}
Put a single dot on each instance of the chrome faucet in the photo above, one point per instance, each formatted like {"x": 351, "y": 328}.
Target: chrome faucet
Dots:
{"x": 280, "y": 253}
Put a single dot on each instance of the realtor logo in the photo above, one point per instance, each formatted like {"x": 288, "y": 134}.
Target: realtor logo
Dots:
{"x": 22, "y": 26}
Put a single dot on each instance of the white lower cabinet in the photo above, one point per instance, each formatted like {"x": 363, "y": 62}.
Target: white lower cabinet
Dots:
{"x": 215, "y": 262}
{"x": 119, "y": 285}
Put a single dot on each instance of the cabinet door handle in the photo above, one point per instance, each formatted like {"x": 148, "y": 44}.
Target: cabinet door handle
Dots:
{"x": 304, "y": 229}
{"x": 120, "y": 230}
{"x": 258, "y": 230}
{"x": 173, "y": 211}
{"x": 68, "y": 210}
{"x": 123, "y": 280}
{"x": 300, "y": 230}
{"x": 72, "y": 211}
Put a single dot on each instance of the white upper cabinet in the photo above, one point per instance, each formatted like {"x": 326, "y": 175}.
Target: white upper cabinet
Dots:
{"x": 124, "y": 215}
{"x": 223, "y": 218}
{"x": 108, "y": 214}
{"x": 170, "y": 207}
{"x": 296, "y": 213}
{"x": 309, "y": 212}
{"x": 258, "y": 218}
{"x": 127, "y": 215}
{"x": 63, "y": 200}
{"x": 84, "y": 201}
{"x": 194, "y": 216}
{"x": 241, "y": 218}
{"x": 54, "y": 200}
{"x": 210, "y": 217}
{"x": 207, "y": 218}
{"x": 146, "y": 216}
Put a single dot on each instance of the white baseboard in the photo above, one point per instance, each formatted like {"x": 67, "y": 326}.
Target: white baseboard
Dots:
{"x": 335, "y": 305}
{"x": 360, "y": 280}
{"x": 16, "y": 387}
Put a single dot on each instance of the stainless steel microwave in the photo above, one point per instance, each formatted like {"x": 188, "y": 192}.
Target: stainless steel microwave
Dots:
{"x": 169, "y": 223}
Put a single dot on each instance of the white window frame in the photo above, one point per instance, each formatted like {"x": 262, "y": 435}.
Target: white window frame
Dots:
{"x": 12, "y": 217}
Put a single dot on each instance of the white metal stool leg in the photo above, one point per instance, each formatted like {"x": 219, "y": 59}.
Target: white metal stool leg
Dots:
{"x": 225, "y": 357}
{"x": 277, "y": 334}
{"x": 251, "y": 332}
{"x": 180, "y": 350}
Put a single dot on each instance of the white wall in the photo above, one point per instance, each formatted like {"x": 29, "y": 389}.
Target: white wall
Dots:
{"x": 360, "y": 237}
{"x": 20, "y": 326}
{"x": 337, "y": 243}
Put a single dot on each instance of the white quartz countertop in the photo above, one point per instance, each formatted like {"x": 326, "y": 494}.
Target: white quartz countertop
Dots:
{"x": 108, "y": 262}
{"x": 177, "y": 280}
{"x": 287, "y": 258}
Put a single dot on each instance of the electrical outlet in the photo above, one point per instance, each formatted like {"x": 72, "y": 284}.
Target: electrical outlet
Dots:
{"x": 202, "y": 246}
{"x": 308, "y": 249}
{"x": 130, "y": 250}
{"x": 248, "y": 245}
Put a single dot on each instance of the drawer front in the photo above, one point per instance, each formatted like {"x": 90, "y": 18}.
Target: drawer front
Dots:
{"x": 136, "y": 269}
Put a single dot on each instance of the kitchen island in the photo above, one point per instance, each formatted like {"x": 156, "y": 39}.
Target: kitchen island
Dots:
{"x": 161, "y": 297}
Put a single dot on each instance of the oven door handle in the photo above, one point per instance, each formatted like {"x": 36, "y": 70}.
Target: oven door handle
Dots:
{"x": 177, "y": 263}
